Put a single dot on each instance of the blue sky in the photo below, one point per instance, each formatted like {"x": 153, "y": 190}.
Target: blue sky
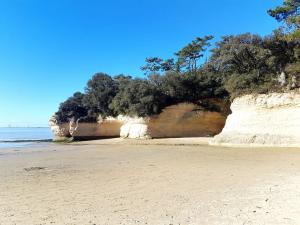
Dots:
{"x": 49, "y": 49}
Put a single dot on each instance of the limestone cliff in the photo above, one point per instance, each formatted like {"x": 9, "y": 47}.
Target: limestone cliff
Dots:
{"x": 182, "y": 120}
{"x": 61, "y": 131}
{"x": 104, "y": 128}
{"x": 134, "y": 127}
{"x": 266, "y": 119}
{"x": 109, "y": 127}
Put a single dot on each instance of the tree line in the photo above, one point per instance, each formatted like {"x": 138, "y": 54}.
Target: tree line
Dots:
{"x": 238, "y": 65}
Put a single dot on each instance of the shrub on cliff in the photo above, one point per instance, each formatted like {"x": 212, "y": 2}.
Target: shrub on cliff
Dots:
{"x": 238, "y": 65}
{"x": 144, "y": 97}
{"x": 99, "y": 93}
{"x": 253, "y": 64}
{"x": 137, "y": 97}
{"x": 289, "y": 14}
{"x": 72, "y": 108}
{"x": 211, "y": 84}
{"x": 242, "y": 64}
{"x": 239, "y": 54}
{"x": 192, "y": 86}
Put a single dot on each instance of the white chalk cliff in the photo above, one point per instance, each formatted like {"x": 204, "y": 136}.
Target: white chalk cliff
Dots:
{"x": 109, "y": 127}
{"x": 134, "y": 127}
{"x": 266, "y": 120}
{"x": 60, "y": 131}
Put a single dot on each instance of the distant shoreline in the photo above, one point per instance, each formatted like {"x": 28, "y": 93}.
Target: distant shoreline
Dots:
{"x": 21, "y": 141}
{"x": 24, "y": 127}
{"x": 19, "y": 136}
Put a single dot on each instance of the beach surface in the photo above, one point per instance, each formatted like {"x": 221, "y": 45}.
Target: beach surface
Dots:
{"x": 154, "y": 182}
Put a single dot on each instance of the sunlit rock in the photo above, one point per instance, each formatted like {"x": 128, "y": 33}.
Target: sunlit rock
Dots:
{"x": 266, "y": 119}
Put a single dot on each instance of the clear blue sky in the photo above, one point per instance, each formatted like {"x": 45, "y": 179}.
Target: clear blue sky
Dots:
{"x": 49, "y": 49}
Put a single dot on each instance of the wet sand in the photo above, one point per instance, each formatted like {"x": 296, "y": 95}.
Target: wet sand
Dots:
{"x": 157, "y": 182}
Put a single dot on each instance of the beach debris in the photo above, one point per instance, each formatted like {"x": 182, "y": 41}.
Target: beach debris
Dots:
{"x": 35, "y": 168}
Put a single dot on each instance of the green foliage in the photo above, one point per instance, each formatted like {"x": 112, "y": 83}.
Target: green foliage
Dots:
{"x": 252, "y": 64}
{"x": 72, "y": 108}
{"x": 238, "y": 65}
{"x": 186, "y": 58}
{"x": 100, "y": 91}
{"x": 137, "y": 97}
{"x": 289, "y": 13}
{"x": 155, "y": 65}
{"x": 249, "y": 83}
{"x": 211, "y": 85}
{"x": 189, "y": 55}
{"x": 239, "y": 54}
{"x": 189, "y": 87}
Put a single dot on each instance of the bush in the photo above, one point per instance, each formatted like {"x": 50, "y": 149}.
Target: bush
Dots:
{"x": 100, "y": 91}
{"x": 192, "y": 87}
{"x": 250, "y": 83}
{"x": 72, "y": 108}
{"x": 251, "y": 64}
{"x": 239, "y": 65}
{"x": 137, "y": 97}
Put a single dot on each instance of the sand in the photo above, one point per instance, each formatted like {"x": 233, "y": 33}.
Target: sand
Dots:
{"x": 149, "y": 182}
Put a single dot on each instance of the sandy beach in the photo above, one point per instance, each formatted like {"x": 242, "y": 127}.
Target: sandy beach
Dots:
{"x": 159, "y": 182}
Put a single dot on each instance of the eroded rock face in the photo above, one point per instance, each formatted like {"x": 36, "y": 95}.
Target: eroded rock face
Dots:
{"x": 104, "y": 128}
{"x": 182, "y": 120}
{"x": 134, "y": 127}
{"x": 267, "y": 119}
{"x": 109, "y": 127}
{"x": 186, "y": 120}
{"x": 60, "y": 131}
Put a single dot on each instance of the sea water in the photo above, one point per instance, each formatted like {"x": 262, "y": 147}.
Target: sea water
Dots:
{"x": 20, "y": 137}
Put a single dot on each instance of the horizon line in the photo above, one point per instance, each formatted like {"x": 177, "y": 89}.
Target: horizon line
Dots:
{"x": 24, "y": 127}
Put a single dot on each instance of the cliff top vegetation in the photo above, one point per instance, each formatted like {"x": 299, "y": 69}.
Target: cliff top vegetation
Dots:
{"x": 238, "y": 65}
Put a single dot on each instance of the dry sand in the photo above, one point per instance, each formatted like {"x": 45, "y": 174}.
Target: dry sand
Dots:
{"x": 149, "y": 182}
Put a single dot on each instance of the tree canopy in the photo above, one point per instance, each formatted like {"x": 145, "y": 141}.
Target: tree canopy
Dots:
{"x": 289, "y": 13}
{"x": 237, "y": 65}
{"x": 72, "y": 108}
{"x": 137, "y": 97}
{"x": 99, "y": 93}
{"x": 189, "y": 55}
